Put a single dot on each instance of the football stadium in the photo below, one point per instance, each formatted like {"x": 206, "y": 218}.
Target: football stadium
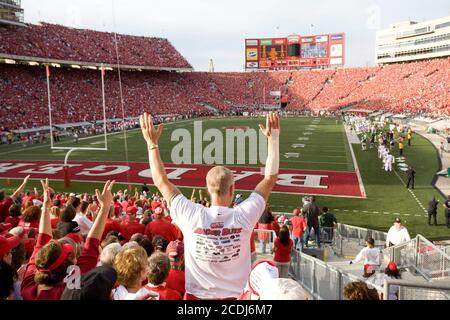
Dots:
{"x": 128, "y": 174}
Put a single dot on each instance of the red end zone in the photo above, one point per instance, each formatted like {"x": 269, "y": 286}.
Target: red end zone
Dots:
{"x": 296, "y": 181}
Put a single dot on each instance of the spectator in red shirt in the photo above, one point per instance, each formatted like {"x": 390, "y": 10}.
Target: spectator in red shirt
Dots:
{"x": 54, "y": 216}
{"x": 14, "y": 215}
{"x": 30, "y": 218}
{"x": 282, "y": 248}
{"x": 266, "y": 222}
{"x": 47, "y": 268}
{"x": 131, "y": 226}
{"x": 161, "y": 227}
{"x": 299, "y": 227}
{"x": 158, "y": 271}
{"x": 176, "y": 278}
{"x": 111, "y": 223}
{"x": 117, "y": 207}
{"x": 6, "y": 246}
{"x": 6, "y": 202}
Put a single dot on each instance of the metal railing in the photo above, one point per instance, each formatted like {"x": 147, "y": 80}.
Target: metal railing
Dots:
{"x": 422, "y": 256}
{"x": 409, "y": 290}
{"x": 321, "y": 280}
{"x": 357, "y": 235}
{"x": 264, "y": 240}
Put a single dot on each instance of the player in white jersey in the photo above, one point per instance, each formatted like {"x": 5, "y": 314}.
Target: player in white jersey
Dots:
{"x": 381, "y": 151}
{"x": 388, "y": 161}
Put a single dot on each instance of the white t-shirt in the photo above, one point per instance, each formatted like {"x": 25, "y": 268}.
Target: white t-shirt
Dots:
{"x": 121, "y": 293}
{"x": 397, "y": 236}
{"x": 83, "y": 222}
{"x": 370, "y": 255}
{"x": 217, "y": 245}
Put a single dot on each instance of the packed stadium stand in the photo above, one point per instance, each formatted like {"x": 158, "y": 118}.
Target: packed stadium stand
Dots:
{"x": 62, "y": 43}
{"x": 418, "y": 87}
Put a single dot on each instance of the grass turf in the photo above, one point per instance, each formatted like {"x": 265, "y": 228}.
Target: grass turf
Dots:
{"x": 325, "y": 149}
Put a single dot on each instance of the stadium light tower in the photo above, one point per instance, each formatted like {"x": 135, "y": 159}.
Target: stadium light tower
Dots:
{"x": 211, "y": 65}
{"x": 311, "y": 26}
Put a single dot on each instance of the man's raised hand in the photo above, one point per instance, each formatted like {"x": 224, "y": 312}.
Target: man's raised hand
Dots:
{"x": 150, "y": 133}
{"x": 105, "y": 198}
{"x": 272, "y": 122}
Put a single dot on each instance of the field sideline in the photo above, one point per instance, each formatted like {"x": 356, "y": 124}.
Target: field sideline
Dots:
{"x": 321, "y": 144}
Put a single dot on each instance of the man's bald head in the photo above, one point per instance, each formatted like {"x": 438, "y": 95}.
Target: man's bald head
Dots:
{"x": 219, "y": 180}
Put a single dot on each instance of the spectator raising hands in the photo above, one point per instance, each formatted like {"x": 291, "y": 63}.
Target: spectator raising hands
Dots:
{"x": 49, "y": 264}
{"x": 207, "y": 267}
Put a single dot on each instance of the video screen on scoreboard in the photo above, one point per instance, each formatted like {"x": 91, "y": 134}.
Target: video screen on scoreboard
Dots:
{"x": 315, "y": 50}
{"x": 272, "y": 52}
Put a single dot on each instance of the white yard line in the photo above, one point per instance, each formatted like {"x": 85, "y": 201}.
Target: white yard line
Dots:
{"x": 355, "y": 164}
{"x": 411, "y": 192}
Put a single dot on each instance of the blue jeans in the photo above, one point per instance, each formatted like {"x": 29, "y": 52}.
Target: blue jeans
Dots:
{"x": 298, "y": 240}
{"x": 316, "y": 232}
{"x": 262, "y": 245}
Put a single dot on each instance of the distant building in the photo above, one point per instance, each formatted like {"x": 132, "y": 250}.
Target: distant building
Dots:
{"x": 11, "y": 12}
{"x": 409, "y": 41}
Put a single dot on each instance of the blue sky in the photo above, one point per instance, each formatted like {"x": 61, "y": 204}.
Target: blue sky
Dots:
{"x": 205, "y": 29}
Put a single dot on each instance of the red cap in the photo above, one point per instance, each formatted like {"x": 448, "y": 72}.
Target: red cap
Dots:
{"x": 6, "y": 244}
{"x": 175, "y": 248}
{"x": 392, "y": 266}
{"x": 75, "y": 237}
{"x": 159, "y": 210}
{"x": 132, "y": 211}
{"x": 296, "y": 211}
{"x": 368, "y": 268}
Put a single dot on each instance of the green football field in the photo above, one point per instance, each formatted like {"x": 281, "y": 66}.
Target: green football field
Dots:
{"x": 305, "y": 144}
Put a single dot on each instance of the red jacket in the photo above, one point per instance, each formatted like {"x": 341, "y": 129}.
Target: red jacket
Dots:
{"x": 161, "y": 228}
{"x": 127, "y": 229}
{"x": 282, "y": 253}
{"x": 165, "y": 293}
{"x": 176, "y": 281}
{"x": 110, "y": 225}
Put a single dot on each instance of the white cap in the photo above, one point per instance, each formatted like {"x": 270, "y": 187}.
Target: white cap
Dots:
{"x": 261, "y": 273}
{"x": 37, "y": 202}
{"x": 282, "y": 289}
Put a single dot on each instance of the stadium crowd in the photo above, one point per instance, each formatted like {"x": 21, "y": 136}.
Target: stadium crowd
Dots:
{"x": 420, "y": 87}
{"x": 58, "y": 42}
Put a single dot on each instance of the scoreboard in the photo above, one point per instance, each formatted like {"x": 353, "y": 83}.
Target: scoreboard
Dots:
{"x": 295, "y": 52}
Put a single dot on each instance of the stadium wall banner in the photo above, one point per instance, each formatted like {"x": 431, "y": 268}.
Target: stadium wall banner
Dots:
{"x": 322, "y": 39}
{"x": 252, "y": 64}
{"x": 251, "y": 42}
{"x": 278, "y": 41}
{"x": 336, "y": 37}
{"x": 265, "y": 42}
{"x": 294, "y": 181}
{"x": 252, "y": 54}
{"x": 293, "y": 39}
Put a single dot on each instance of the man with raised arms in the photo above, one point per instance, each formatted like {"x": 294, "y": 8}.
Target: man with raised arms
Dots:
{"x": 217, "y": 239}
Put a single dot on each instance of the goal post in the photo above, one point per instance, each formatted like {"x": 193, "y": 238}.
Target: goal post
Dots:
{"x": 71, "y": 149}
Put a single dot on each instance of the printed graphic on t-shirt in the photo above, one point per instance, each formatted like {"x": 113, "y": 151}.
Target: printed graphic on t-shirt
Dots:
{"x": 217, "y": 244}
